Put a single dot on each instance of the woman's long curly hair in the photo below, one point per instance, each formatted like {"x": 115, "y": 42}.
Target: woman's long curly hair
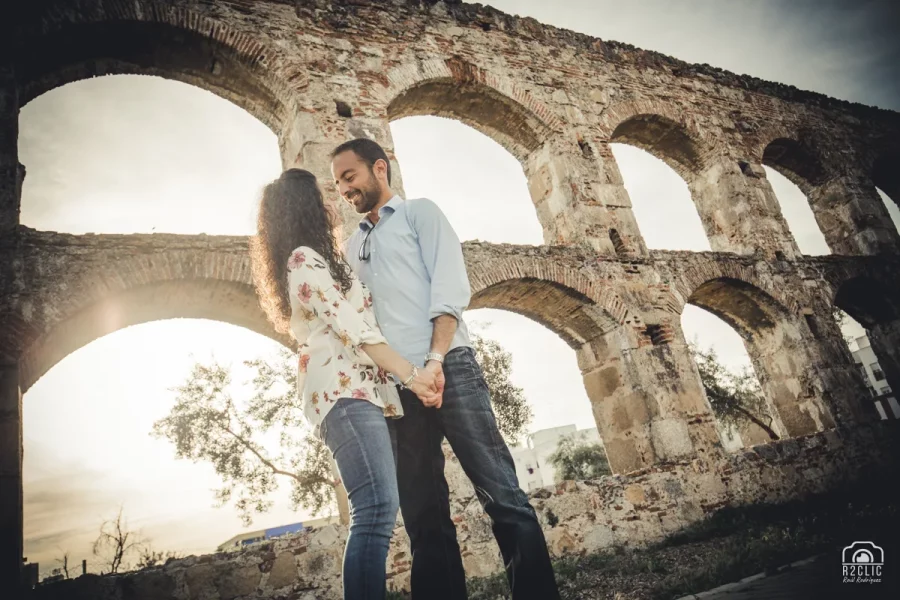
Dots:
{"x": 292, "y": 213}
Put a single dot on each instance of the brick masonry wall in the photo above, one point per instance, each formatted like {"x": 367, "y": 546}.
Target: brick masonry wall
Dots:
{"x": 318, "y": 72}
{"x": 578, "y": 517}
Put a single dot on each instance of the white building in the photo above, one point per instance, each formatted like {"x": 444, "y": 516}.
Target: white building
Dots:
{"x": 253, "y": 537}
{"x": 532, "y": 465}
{"x": 885, "y": 399}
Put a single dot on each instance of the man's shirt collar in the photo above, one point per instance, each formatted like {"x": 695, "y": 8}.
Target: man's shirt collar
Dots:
{"x": 365, "y": 224}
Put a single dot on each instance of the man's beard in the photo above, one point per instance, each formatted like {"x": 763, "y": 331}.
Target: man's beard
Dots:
{"x": 370, "y": 198}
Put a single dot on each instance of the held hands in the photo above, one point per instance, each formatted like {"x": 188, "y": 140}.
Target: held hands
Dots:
{"x": 428, "y": 385}
{"x": 433, "y": 366}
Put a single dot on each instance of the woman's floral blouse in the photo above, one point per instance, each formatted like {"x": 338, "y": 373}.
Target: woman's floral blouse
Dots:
{"x": 331, "y": 328}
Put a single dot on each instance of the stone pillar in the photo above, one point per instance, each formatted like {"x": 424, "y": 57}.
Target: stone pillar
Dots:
{"x": 647, "y": 398}
{"x": 11, "y": 518}
{"x": 739, "y": 210}
{"x": 787, "y": 371}
{"x": 844, "y": 390}
{"x": 310, "y": 137}
{"x": 853, "y": 218}
{"x": 11, "y": 172}
{"x": 580, "y": 198}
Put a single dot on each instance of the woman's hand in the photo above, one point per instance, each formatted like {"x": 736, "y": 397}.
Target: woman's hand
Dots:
{"x": 425, "y": 386}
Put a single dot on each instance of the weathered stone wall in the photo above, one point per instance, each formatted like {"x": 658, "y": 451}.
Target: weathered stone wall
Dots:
{"x": 578, "y": 517}
{"x": 319, "y": 72}
{"x": 622, "y": 316}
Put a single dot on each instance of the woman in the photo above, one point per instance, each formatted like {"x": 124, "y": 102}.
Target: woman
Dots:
{"x": 306, "y": 288}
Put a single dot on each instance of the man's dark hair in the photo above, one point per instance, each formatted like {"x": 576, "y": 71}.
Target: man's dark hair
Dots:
{"x": 367, "y": 150}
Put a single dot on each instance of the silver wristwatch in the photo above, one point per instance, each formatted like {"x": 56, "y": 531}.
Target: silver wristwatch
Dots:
{"x": 434, "y": 356}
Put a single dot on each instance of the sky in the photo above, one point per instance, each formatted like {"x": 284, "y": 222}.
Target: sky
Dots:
{"x": 140, "y": 155}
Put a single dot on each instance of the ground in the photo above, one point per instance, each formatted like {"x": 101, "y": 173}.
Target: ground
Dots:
{"x": 739, "y": 543}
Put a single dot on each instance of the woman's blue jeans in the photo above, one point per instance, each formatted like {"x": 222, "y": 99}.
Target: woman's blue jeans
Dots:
{"x": 356, "y": 433}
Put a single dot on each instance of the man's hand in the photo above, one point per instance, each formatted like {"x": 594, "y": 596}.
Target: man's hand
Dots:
{"x": 438, "y": 399}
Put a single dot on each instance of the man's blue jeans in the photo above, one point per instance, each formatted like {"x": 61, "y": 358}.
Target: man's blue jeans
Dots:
{"x": 356, "y": 433}
{"x": 467, "y": 421}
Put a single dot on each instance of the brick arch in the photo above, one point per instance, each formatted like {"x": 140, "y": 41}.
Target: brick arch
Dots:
{"x": 217, "y": 300}
{"x": 563, "y": 300}
{"x": 885, "y": 174}
{"x": 133, "y": 280}
{"x": 777, "y": 341}
{"x": 745, "y": 307}
{"x": 867, "y": 298}
{"x": 492, "y": 104}
{"x": 663, "y": 130}
{"x": 56, "y": 46}
{"x": 871, "y": 297}
{"x": 744, "y": 275}
{"x": 795, "y": 158}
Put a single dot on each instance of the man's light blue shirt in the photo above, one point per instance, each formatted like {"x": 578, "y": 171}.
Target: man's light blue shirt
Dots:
{"x": 415, "y": 271}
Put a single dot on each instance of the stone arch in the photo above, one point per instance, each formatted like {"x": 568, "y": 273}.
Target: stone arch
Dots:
{"x": 796, "y": 160}
{"x": 886, "y": 175}
{"x": 491, "y": 104}
{"x": 563, "y": 300}
{"x": 666, "y": 132}
{"x": 573, "y": 307}
{"x": 874, "y": 304}
{"x": 640, "y": 423}
{"x": 849, "y": 212}
{"x": 661, "y": 129}
{"x": 217, "y": 300}
{"x": 146, "y": 37}
{"x": 693, "y": 278}
{"x": 778, "y": 347}
{"x": 744, "y": 306}
{"x": 111, "y": 294}
{"x": 867, "y": 300}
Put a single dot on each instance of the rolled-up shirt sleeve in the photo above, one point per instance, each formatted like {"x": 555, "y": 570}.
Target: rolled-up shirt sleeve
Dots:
{"x": 443, "y": 258}
{"x": 313, "y": 287}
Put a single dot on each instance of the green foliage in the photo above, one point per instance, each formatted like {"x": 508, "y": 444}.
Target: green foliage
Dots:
{"x": 508, "y": 400}
{"x": 735, "y": 398}
{"x": 574, "y": 458}
{"x": 207, "y": 425}
{"x": 844, "y": 323}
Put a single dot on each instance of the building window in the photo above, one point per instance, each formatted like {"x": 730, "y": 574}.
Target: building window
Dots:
{"x": 877, "y": 372}
{"x": 865, "y": 374}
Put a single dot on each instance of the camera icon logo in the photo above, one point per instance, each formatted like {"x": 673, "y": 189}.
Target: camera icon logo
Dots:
{"x": 863, "y": 553}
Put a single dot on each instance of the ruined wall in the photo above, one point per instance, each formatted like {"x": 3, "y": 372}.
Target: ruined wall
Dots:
{"x": 320, "y": 72}
{"x": 627, "y": 336}
{"x": 578, "y": 517}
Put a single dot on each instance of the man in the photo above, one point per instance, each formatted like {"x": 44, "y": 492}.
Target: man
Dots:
{"x": 408, "y": 255}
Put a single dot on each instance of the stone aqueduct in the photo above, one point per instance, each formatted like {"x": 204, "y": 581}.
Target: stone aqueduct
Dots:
{"x": 319, "y": 72}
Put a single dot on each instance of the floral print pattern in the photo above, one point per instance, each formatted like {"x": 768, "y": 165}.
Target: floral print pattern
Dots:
{"x": 332, "y": 327}
{"x": 298, "y": 257}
